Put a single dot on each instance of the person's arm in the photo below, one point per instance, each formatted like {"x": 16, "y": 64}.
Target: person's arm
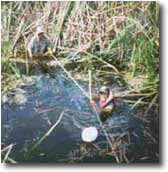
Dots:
{"x": 94, "y": 99}
{"x": 30, "y": 48}
{"x": 110, "y": 98}
{"x": 49, "y": 46}
{"x": 49, "y": 51}
{"x": 30, "y": 53}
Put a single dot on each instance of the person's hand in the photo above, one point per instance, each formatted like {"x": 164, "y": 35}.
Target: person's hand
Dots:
{"x": 111, "y": 97}
{"x": 49, "y": 52}
{"x": 92, "y": 102}
{"x": 30, "y": 54}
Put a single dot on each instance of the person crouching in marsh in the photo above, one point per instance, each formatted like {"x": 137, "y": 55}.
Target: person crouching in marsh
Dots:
{"x": 39, "y": 46}
{"x": 106, "y": 101}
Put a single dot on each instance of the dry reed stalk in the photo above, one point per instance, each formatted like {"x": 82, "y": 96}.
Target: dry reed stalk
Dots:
{"x": 136, "y": 103}
{"x": 137, "y": 95}
{"x": 48, "y": 133}
{"x": 60, "y": 23}
{"x": 150, "y": 105}
{"x": 9, "y": 21}
{"x": 9, "y": 148}
{"x": 141, "y": 102}
{"x": 146, "y": 133}
{"x": 132, "y": 56}
{"x": 126, "y": 159}
{"x": 18, "y": 34}
{"x": 90, "y": 84}
{"x": 6, "y": 148}
{"x": 12, "y": 160}
{"x": 99, "y": 59}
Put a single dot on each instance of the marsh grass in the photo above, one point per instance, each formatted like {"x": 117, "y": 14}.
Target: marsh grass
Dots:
{"x": 121, "y": 37}
{"x": 115, "y": 39}
{"x": 104, "y": 28}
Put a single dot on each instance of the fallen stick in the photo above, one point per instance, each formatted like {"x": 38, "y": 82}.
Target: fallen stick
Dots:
{"x": 48, "y": 132}
{"x": 90, "y": 84}
{"x": 150, "y": 105}
{"x": 141, "y": 102}
{"x": 11, "y": 160}
{"x": 136, "y": 103}
{"x": 6, "y": 148}
{"x": 135, "y": 95}
{"x": 146, "y": 133}
{"x": 8, "y": 152}
{"x": 126, "y": 159}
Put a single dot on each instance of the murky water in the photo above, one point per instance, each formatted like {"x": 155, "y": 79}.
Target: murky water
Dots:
{"x": 30, "y": 110}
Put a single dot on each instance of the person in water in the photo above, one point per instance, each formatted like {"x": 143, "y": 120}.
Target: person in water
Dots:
{"x": 106, "y": 101}
{"x": 39, "y": 44}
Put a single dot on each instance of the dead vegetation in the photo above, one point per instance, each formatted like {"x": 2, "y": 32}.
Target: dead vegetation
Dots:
{"x": 116, "y": 40}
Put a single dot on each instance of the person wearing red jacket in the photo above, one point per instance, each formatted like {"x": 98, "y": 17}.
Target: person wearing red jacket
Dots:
{"x": 106, "y": 101}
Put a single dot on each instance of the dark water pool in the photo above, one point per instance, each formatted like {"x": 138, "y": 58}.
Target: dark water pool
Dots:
{"x": 25, "y": 122}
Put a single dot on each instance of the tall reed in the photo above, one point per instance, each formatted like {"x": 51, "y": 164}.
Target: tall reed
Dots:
{"x": 123, "y": 36}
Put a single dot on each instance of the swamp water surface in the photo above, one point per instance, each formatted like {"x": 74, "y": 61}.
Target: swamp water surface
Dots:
{"x": 31, "y": 109}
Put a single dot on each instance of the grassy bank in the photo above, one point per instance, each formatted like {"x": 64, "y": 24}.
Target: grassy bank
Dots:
{"x": 117, "y": 37}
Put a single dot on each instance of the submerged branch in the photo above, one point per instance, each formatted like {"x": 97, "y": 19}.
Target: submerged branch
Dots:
{"x": 9, "y": 148}
{"x": 48, "y": 133}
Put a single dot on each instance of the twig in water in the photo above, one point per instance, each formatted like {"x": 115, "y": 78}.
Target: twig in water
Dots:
{"x": 146, "y": 133}
{"x": 8, "y": 152}
{"x": 12, "y": 160}
{"x": 150, "y": 105}
{"x": 136, "y": 95}
{"x": 6, "y": 148}
{"x": 126, "y": 159}
{"x": 48, "y": 132}
{"x": 141, "y": 102}
{"x": 136, "y": 103}
{"x": 90, "y": 84}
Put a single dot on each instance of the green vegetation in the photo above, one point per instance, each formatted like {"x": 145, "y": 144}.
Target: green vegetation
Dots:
{"x": 118, "y": 36}
{"x": 116, "y": 40}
